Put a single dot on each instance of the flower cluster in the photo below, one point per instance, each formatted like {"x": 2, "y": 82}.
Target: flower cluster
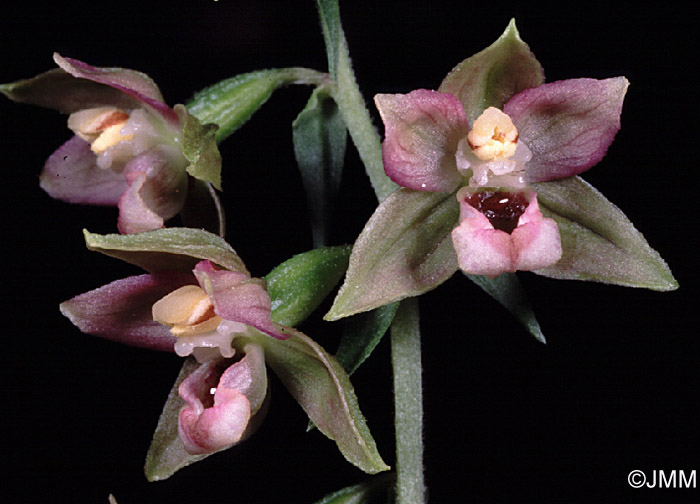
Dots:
{"x": 487, "y": 164}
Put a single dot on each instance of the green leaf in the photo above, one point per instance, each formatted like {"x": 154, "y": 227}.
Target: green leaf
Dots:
{"x": 298, "y": 285}
{"x": 329, "y": 15}
{"x": 199, "y": 148}
{"x": 404, "y": 250}
{"x": 320, "y": 137}
{"x": 363, "y": 493}
{"x": 361, "y": 335}
{"x": 352, "y": 106}
{"x": 231, "y": 102}
{"x": 599, "y": 242}
{"x": 507, "y": 290}
{"x": 167, "y": 454}
{"x": 167, "y": 249}
{"x": 491, "y": 77}
{"x": 322, "y": 388}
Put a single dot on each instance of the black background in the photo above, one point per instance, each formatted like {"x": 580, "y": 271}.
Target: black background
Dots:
{"x": 507, "y": 419}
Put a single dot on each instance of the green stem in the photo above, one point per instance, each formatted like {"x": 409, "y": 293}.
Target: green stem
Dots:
{"x": 408, "y": 403}
{"x": 405, "y": 334}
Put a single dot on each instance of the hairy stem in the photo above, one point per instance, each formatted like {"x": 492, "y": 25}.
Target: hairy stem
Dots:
{"x": 408, "y": 403}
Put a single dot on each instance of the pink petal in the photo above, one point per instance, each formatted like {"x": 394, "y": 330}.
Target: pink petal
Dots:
{"x": 209, "y": 422}
{"x": 238, "y": 297}
{"x": 71, "y": 174}
{"x": 422, "y": 129}
{"x": 121, "y": 311}
{"x": 483, "y": 250}
{"x": 568, "y": 125}
{"x": 536, "y": 241}
{"x": 130, "y": 82}
{"x": 156, "y": 192}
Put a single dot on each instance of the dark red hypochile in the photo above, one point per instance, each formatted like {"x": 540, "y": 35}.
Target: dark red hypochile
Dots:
{"x": 501, "y": 208}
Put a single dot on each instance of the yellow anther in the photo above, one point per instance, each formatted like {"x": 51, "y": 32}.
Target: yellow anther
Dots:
{"x": 101, "y": 127}
{"x": 187, "y": 310}
{"x": 493, "y": 136}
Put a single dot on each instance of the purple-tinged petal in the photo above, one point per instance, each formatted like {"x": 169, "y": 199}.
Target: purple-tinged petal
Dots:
{"x": 71, "y": 174}
{"x": 238, "y": 297}
{"x": 156, "y": 192}
{"x": 422, "y": 130}
{"x": 135, "y": 84}
{"x": 568, "y": 125}
{"x": 121, "y": 311}
{"x": 215, "y": 421}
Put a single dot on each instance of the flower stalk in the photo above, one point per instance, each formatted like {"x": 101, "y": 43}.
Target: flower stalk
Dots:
{"x": 408, "y": 403}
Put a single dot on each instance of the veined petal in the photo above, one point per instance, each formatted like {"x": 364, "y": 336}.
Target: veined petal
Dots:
{"x": 71, "y": 174}
{"x": 422, "y": 130}
{"x": 121, "y": 311}
{"x": 135, "y": 84}
{"x": 238, "y": 297}
{"x": 568, "y": 125}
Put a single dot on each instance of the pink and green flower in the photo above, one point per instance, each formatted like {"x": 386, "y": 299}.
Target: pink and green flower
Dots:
{"x": 130, "y": 149}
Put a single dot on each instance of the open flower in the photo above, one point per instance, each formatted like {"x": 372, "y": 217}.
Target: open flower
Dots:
{"x": 211, "y": 314}
{"x": 222, "y": 398}
{"x": 130, "y": 149}
{"x": 199, "y": 301}
{"x": 541, "y": 133}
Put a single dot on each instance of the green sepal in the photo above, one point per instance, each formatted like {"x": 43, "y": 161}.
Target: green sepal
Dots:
{"x": 59, "y": 90}
{"x": 599, "y": 242}
{"x": 404, "y": 250}
{"x": 167, "y": 454}
{"x": 167, "y": 249}
{"x": 231, "y": 102}
{"x": 199, "y": 147}
{"x": 509, "y": 292}
{"x": 322, "y": 388}
{"x": 298, "y": 285}
{"x": 374, "y": 490}
{"x": 320, "y": 138}
{"x": 491, "y": 77}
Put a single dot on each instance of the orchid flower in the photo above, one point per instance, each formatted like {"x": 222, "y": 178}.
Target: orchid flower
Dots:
{"x": 488, "y": 168}
{"x": 543, "y": 133}
{"x": 130, "y": 149}
{"x": 199, "y": 301}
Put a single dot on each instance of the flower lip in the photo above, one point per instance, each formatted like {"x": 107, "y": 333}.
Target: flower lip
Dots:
{"x": 502, "y": 208}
